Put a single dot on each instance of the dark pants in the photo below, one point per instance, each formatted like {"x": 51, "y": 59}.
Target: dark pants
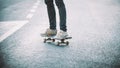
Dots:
{"x": 52, "y": 14}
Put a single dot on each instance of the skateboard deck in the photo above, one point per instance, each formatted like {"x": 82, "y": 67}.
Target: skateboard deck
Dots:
{"x": 53, "y": 39}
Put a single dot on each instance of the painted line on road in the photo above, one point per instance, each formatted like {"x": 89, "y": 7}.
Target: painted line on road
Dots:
{"x": 30, "y": 15}
{"x": 35, "y": 6}
{"x": 33, "y": 10}
{"x": 14, "y": 29}
{"x": 20, "y": 23}
{"x": 37, "y": 3}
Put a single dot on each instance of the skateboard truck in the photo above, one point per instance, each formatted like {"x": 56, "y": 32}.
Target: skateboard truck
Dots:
{"x": 49, "y": 39}
{"x": 62, "y": 41}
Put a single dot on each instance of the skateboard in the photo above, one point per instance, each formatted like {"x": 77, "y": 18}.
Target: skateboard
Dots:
{"x": 53, "y": 39}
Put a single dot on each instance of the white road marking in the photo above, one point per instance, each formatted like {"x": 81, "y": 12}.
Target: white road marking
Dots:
{"x": 29, "y": 16}
{"x": 33, "y": 10}
{"x": 20, "y": 23}
{"x": 14, "y": 29}
{"x": 37, "y": 3}
{"x": 35, "y": 6}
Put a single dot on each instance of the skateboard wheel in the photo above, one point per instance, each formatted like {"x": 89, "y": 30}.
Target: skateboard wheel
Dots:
{"x": 67, "y": 43}
{"x": 53, "y": 40}
{"x": 58, "y": 43}
{"x": 45, "y": 40}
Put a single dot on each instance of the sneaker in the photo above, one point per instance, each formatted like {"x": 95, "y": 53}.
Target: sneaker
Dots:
{"x": 62, "y": 34}
{"x": 50, "y": 32}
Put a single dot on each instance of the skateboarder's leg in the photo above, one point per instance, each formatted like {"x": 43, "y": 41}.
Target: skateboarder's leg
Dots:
{"x": 51, "y": 13}
{"x": 62, "y": 12}
{"x": 52, "y": 18}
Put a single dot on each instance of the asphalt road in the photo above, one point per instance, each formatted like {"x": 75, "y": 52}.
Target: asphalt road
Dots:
{"x": 93, "y": 25}
{"x": 15, "y": 9}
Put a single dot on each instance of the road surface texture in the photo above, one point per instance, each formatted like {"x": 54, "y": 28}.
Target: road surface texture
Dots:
{"x": 93, "y": 24}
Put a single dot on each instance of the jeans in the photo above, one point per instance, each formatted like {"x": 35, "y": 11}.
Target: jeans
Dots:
{"x": 52, "y": 14}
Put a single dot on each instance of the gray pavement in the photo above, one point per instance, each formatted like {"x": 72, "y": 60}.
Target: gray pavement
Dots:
{"x": 15, "y": 9}
{"x": 94, "y": 26}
